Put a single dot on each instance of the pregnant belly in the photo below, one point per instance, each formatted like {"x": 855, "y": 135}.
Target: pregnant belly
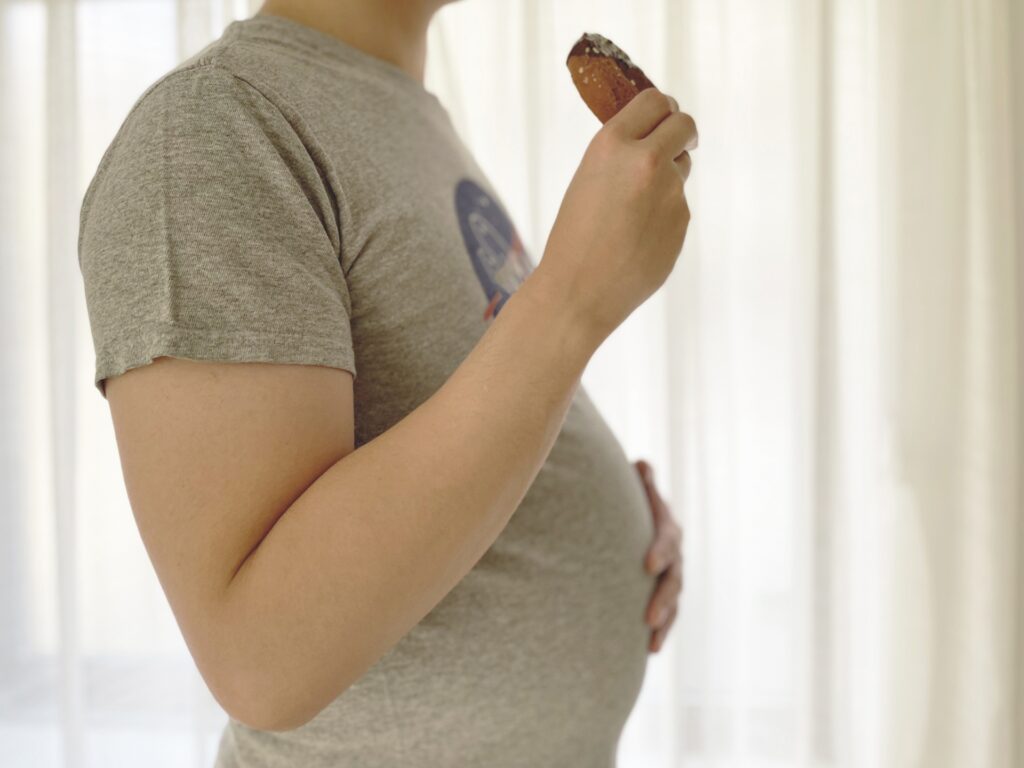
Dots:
{"x": 537, "y": 656}
{"x": 524, "y": 658}
{"x": 544, "y": 642}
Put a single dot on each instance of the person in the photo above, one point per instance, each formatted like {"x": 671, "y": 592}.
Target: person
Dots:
{"x": 391, "y": 525}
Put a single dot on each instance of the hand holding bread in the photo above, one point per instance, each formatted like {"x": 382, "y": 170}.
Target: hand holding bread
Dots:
{"x": 608, "y": 80}
{"x": 624, "y": 216}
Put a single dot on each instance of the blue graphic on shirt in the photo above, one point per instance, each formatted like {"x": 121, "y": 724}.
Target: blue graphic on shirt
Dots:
{"x": 494, "y": 247}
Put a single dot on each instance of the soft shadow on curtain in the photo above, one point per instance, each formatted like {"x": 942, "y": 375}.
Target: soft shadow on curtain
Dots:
{"x": 829, "y": 386}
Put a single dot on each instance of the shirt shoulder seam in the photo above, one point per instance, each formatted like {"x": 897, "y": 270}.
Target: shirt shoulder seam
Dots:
{"x": 209, "y": 62}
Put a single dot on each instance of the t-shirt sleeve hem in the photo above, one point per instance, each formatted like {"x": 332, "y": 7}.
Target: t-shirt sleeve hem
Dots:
{"x": 155, "y": 340}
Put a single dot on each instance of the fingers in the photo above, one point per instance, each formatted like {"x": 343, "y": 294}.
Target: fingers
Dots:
{"x": 664, "y": 556}
{"x": 668, "y": 542}
{"x": 666, "y": 594}
{"x": 674, "y": 135}
{"x": 644, "y": 468}
{"x": 654, "y": 118}
{"x": 683, "y": 164}
{"x": 642, "y": 114}
{"x": 646, "y": 472}
{"x": 658, "y": 636}
{"x": 664, "y": 550}
{"x": 668, "y": 534}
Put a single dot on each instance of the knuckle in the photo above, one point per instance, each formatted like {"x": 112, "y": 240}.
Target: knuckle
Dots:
{"x": 660, "y": 100}
{"x": 645, "y": 165}
{"x": 681, "y": 119}
{"x": 695, "y": 130}
{"x": 651, "y": 96}
{"x": 604, "y": 140}
{"x": 676, "y": 186}
{"x": 688, "y": 122}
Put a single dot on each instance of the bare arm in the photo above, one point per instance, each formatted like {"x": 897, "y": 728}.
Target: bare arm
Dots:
{"x": 427, "y": 498}
{"x": 293, "y": 562}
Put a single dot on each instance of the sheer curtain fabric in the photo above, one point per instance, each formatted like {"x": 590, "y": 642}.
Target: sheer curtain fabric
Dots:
{"x": 828, "y": 386}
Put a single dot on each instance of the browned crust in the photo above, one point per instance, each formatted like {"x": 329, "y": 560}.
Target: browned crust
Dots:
{"x": 604, "y": 75}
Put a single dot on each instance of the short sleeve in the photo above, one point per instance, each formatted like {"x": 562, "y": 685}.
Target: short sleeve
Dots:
{"x": 209, "y": 232}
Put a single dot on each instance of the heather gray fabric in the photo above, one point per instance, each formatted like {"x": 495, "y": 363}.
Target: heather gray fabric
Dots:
{"x": 284, "y": 197}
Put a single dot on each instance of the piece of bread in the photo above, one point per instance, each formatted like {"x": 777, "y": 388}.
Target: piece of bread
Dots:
{"x": 604, "y": 75}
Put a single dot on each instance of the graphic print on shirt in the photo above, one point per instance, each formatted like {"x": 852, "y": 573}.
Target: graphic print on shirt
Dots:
{"x": 494, "y": 247}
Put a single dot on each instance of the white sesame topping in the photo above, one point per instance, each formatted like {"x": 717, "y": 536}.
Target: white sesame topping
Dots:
{"x": 602, "y": 46}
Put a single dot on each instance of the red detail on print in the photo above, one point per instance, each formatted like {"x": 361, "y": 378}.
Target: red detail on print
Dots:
{"x": 490, "y": 307}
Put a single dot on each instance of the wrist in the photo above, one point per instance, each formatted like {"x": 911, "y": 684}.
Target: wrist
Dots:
{"x": 559, "y": 314}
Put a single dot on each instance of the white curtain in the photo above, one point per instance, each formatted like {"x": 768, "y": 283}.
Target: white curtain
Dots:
{"x": 829, "y": 386}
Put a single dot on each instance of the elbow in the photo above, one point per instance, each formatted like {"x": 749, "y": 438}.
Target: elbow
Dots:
{"x": 260, "y": 705}
{"x": 248, "y": 687}
{"x": 264, "y": 719}
{"x": 279, "y": 718}
{"x": 257, "y": 708}
{"x": 241, "y": 702}
{"x": 267, "y": 691}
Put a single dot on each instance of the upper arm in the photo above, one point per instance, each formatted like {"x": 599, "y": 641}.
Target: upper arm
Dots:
{"x": 212, "y": 454}
{"x": 210, "y": 249}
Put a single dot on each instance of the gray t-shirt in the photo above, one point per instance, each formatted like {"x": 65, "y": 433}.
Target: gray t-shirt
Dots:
{"x": 284, "y": 197}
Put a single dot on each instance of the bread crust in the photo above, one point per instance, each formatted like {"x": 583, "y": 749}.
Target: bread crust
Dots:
{"x": 606, "y": 78}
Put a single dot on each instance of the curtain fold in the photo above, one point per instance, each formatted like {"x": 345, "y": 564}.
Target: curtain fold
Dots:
{"x": 62, "y": 202}
{"x": 1016, "y": 31}
{"x": 954, "y": 384}
{"x": 829, "y": 385}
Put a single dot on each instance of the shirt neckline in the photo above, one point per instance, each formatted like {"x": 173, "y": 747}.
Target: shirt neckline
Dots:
{"x": 284, "y": 30}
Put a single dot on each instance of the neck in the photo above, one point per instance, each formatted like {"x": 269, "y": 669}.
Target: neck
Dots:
{"x": 392, "y": 30}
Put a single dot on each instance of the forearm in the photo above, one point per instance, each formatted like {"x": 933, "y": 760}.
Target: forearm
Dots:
{"x": 386, "y": 532}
